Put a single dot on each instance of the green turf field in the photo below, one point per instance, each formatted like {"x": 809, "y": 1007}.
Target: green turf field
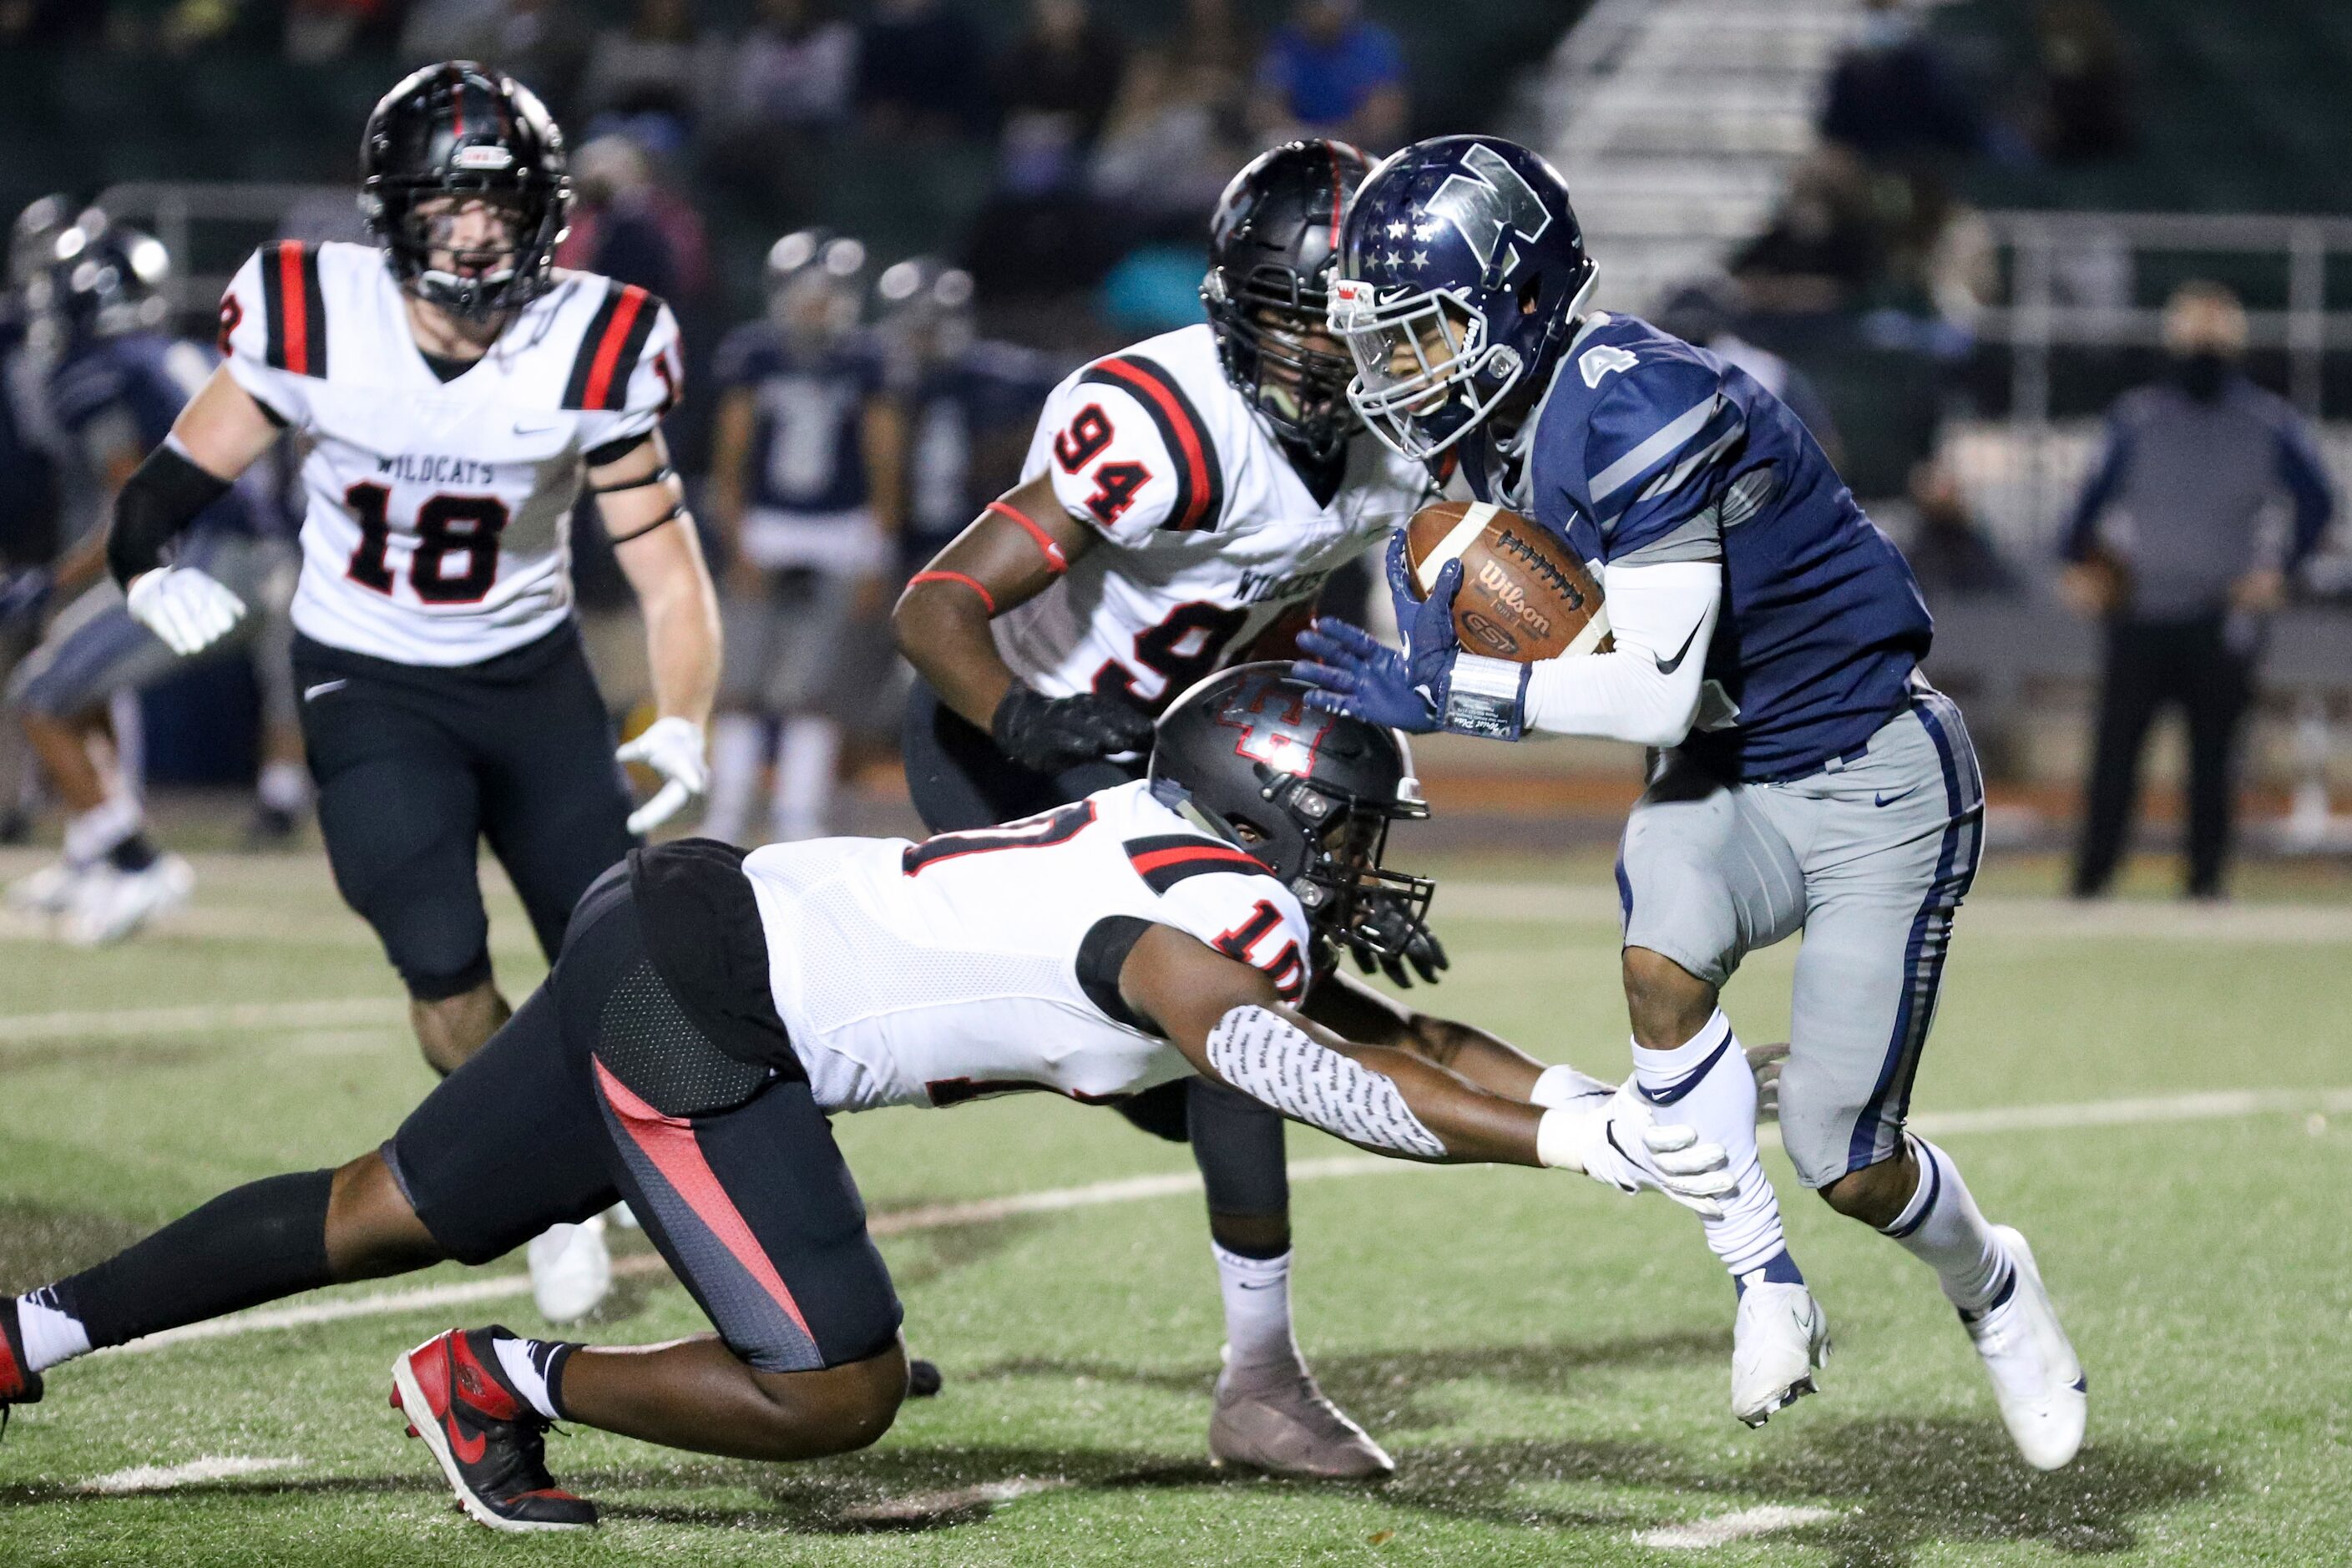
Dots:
{"x": 1548, "y": 1361}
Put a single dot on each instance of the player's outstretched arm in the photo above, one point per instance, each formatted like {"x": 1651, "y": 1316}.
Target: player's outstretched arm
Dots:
{"x": 1228, "y": 1021}
{"x": 644, "y": 509}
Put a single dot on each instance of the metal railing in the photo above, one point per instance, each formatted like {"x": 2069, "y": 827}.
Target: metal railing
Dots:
{"x": 175, "y": 210}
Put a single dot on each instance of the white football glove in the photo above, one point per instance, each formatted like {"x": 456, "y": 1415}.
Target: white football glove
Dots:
{"x": 1620, "y": 1141}
{"x": 672, "y": 747}
{"x": 189, "y": 609}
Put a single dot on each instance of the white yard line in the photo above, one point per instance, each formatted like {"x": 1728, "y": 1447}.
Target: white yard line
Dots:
{"x": 163, "y": 1478}
{"x": 203, "y": 1018}
{"x": 1725, "y": 1528}
{"x": 2223, "y": 1105}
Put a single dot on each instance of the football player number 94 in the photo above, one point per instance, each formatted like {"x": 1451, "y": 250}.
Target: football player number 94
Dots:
{"x": 1115, "y": 483}
{"x": 446, "y": 525}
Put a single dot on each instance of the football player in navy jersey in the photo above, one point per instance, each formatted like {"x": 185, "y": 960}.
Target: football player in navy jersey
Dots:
{"x": 806, "y": 465}
{"x": 117, "y": 382}
{"x": 1767, "y": 641}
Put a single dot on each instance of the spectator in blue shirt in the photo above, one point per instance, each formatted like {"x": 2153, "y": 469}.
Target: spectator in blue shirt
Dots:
{"x": 1332, "y": 73}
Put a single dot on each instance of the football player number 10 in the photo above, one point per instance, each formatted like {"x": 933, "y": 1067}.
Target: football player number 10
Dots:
{"x": 446, "y": 525}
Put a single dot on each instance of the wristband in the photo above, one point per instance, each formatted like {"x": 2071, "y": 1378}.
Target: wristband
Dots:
{"x": 1486, "y": 697}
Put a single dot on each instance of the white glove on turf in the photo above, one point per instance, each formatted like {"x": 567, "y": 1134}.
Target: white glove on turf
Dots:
{"x": 184, "y": 607}
{"x": 1619, "y": 1141}
{"x": 672, "y": 747}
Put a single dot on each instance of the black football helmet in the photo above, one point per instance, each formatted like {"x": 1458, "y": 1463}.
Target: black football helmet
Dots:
{"x": 462, "y": 130}
{"x": 1309, "y": 793}
{"x": 107, "y": 281}
{"x": 1271, "y": 244}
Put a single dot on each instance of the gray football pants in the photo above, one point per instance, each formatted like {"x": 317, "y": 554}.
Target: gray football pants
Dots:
{"x": 1869, "y": 858}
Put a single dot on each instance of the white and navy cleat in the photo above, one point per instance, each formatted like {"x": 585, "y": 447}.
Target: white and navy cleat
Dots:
{"x": 2037, "y": 1381}
{"x": 570, "y": 1270}
{"x": 1780, "y": 1337}
{"x": 109, "y": 905}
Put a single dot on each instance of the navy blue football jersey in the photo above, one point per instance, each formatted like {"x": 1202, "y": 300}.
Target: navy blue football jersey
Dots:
{"x": 124, "y": 392}
{"x": 808, "y": 452}
{"x": 27, "y": 467}
{"x": 1648, "y": 449}
{"x": 954, "y": 407}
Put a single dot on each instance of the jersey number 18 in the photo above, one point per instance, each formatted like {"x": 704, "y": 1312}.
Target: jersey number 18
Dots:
{"x": 446, "y": 525}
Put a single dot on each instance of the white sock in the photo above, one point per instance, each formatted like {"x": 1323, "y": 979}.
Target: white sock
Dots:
{"x": 51, "y": 1335}
{"x": 1704, "y": 1084}
{"x": 91, "y": 835}
{"x": 1257, "y": 1308}
{"x": 808, "y": 752}
{"x": 526, "y": 1363}
{"x": 1560, "y": 1084}
{"x": 284, "y": 786}
{"x": 737, "y": 748}
{"x": 1940, "y": 1226}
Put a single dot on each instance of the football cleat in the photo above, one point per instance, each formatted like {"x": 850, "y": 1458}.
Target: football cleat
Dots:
{"x": 489, "y": 1442}
{"x": 1780, "y": 1335}
{"x": 1277, "y": 1420}
{"x": 48, "y": 891}
{"x": 2037, "y": 1381}
{"x": 19, "y": 1385}
{"x": 570, "y": 1270}
{"x": 110, "y": 905}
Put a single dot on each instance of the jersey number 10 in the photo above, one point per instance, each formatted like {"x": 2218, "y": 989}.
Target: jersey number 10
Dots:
{"x": 446, "y": 525}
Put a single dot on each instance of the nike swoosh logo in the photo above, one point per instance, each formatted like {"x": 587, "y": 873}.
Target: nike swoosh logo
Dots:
{"x": 1891, "y": 799}
{"x": 469, "y": 1450}
{"x": 522, "y": 429}
{"x": 310, "y": 692}
{"x": 1668, "y": 666}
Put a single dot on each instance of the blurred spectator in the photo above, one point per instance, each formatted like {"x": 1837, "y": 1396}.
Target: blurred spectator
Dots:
{"x": 1332, "y": 73}
{"x": 918, "y": 69}
{"x": 2168, "y": 546}
{"x": 1894, "y": 95}
{"x": 795, "y": 69}
{"x": 2084, "y": 79}
{"x": 1949, "y": 554}
{"x": 1171, "y": 145}
{"x": 658, "y": 64}
{"x": 320, "y": 30}
{"x": 1066, "y": 68}
{"x": 1940, "y": 252}
{"x": 1209, "y": 39}
{"x": 542, "y": 44}
{"x": 1823, "y": 247}
{"x": 630, "y": 228}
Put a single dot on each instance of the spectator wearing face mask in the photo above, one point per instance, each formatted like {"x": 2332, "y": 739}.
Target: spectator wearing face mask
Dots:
{"x": 2168, "y": 546}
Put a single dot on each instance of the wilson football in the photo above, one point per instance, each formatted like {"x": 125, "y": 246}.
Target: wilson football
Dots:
{"x": 1524, "y": 597}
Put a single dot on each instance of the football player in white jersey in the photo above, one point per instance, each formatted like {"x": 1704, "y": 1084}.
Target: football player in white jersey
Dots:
{"x": 1183, "y": 502}
{"x": 454, "y": 391}
{"x": 710, "y": 1008}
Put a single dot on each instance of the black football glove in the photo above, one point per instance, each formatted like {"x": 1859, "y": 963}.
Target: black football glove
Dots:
{"x": 1397, "y": 946}
{"x": 1050, "y": 733}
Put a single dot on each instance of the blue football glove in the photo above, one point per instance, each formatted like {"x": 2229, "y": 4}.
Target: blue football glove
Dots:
{"x": 1433, "y": 685}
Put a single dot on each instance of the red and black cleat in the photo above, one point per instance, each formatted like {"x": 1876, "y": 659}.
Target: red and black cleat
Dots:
{"x": 491, "y": 1445}
{"x": 19, "y": 1385}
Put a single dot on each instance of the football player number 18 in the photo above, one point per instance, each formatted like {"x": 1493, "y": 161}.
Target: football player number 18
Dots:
{"x": 463, "y": 526}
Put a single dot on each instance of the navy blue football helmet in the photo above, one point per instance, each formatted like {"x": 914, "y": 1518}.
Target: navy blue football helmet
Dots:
{"x": 1462, "y": 275}
{"x": 108, "y": 281}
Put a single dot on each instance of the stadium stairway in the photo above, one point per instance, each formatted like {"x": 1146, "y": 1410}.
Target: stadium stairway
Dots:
{"x": 1675, "y": 123}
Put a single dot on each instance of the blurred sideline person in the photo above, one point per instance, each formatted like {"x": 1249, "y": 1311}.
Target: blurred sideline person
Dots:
{"x": 28, "y": 491}
{"x": 1184, "y": 503}
{"x": 711, "y": 1009}
{"x": 1768, "y": 636}
{"x": 2168, "y": 546}
{"x": 455, "y": 390}
{"x": 807, "y": 455}
{"x": 119, "y": 381}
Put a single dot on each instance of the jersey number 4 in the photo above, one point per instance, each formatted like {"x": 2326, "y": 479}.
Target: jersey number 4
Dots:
{"x": 1115, "y": 483}
{"x": 467, "y": 526}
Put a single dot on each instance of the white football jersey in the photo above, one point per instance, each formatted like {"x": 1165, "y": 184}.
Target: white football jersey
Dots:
{"x": 434, "y": 527}
{"x": 979, "y": 962}
{"x": 1210, "y": 536}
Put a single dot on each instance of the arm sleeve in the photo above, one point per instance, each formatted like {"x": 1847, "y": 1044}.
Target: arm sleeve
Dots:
{"x": 1656, "y": 450}
{"x": 2082, "y": 529}
{"x": 1647, "y": 690}
{"x": 245, "y": 348}
{"x": 657, "y": 384}
{"x": 2306, "y": 479}
{"x": 1111, "y": 465}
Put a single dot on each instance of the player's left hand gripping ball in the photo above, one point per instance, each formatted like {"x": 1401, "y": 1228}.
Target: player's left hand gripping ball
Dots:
{"x": 189, "y": 609}
{"x": 1433, "y": 685}
{"x": 673, "y": 748}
